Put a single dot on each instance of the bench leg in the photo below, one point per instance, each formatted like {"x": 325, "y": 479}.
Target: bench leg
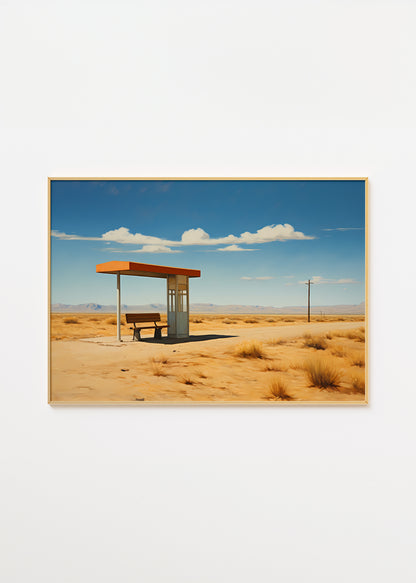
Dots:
{"x": 158, "y": 333}
{"x": 136, "y": 334}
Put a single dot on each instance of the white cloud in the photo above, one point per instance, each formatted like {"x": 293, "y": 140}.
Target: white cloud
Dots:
{"x": 265, "y": 277}
{"x": 347, "y": 280}
{"x": 156, "y": 249}
{"x": 122, "y": 235}
{"x": 345, "y": 229}
{"x": 196, "y": 236}
{"x": 273, "y": 233}
{"x": 64, "y": 236}
{"x": 146, "y": 249}
{"x": 234, "y": 248}
{"x": 317, "y": 279}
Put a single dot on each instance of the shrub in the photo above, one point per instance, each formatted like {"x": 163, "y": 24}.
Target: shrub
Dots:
{"x": 358, "y": 382}
{"x": 278, "y": 390}
{"x": 251, "y": 321}
{"x": 296, "y": 365}
{"x": 356, "y": 334}
{"x": 317, "y": 342}
{"x": 275, "y": 366}
{"x": 186, "y": 380}
{"x": 277, "y": 341}
{"x": 71, "y": 321}
{"x": 338, "y": 350}
{"x": 357, "y": 358}
{"x": 162, "y": 359}
{"x": 158, "y": 370}
{"x": 322, "y": 373}
{"x": 250, "y": 350}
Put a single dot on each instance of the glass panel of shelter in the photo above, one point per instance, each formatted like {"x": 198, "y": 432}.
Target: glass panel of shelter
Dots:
{"x": 172, "y": 298}
{"x": 182, "y": 300}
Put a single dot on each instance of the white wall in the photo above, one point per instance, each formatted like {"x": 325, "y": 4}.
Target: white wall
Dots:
{"x": 203, "y": 494}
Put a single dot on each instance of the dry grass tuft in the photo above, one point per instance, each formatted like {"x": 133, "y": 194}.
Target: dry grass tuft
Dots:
{"x": 250, "y": 350}
{"x": 228, "y": 321}
{"x": 358, "y": 382}
{"x": 186, "y": 380}
{"x": 93, "y": 319}
{"x": 288, "y": 320}
{"x": 296, "y": 364}
{"x": 158, "y": 370}
{"x": 251, "y": 321}
{"x": 357, "y": 334}
{"x": 71, "y": 321}
{"x": 113, "y": 322}
{"x": 276, "y": 341}
{"x": 270, "y": 320}
{"x": 161, "y": 359}
{"x": 338, "y": 350}
{"x": 317, "y": 342}
{"x": 357, "y": 358}
{"x": 275, "y": 367}
{"x": 322, "y": 373}
{"x": 200, "y": 374}
{"x": 197, "y": 320}
{"x": 278, "y": 390}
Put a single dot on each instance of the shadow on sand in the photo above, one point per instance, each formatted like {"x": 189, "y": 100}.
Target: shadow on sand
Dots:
{"x": 199, "y": 338}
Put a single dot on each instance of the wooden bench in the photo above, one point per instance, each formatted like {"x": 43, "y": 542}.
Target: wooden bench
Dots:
{"x": 142, "y": 319}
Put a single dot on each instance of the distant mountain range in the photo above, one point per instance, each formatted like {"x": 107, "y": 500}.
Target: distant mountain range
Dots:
{"x": 212, "y": 309}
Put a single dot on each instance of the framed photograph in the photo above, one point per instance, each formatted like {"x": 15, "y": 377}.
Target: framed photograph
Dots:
{"x": 208, "y": 290}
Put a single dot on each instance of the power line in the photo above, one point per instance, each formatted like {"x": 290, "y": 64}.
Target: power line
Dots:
{"x": 309, "y": 283}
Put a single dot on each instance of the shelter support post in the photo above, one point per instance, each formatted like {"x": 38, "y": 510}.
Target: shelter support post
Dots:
{"x": 118, "y": 309}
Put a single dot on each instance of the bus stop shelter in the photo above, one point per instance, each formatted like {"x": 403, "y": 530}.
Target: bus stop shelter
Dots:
{"x": 177, "y": 291}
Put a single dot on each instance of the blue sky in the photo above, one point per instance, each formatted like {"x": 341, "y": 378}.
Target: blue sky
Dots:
{"x": 255, "y": 242}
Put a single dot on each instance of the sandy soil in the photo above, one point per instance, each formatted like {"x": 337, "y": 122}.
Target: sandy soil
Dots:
{"x": 211, "y": 365}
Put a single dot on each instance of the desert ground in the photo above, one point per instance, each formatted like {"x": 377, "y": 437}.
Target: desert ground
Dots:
{"x": 227, "y": 359}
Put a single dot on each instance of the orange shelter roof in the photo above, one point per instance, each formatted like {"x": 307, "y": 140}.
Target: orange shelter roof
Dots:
{"x": 144, "y": 269}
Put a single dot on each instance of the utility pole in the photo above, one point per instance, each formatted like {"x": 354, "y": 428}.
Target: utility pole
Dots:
{"x": 309, "y": 283}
